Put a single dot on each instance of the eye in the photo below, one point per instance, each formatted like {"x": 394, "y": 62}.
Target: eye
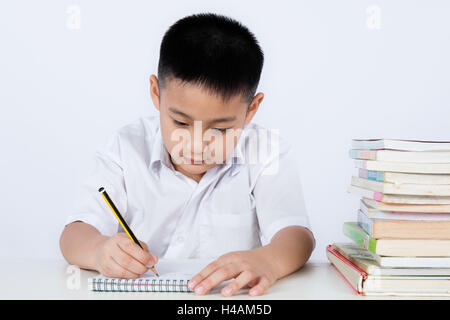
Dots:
{"x": 179, "y": 123}
{"x": 221, "y": 129}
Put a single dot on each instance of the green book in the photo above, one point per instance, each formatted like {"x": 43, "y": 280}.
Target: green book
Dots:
{"x": 357, "y": 234}
{"x": 397, "y": 247}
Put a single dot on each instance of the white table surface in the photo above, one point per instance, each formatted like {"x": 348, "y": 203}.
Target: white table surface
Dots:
{"x": 47, "y": 279}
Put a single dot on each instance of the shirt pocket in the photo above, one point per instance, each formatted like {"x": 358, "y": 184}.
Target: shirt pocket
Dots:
{"x": 221, "y": 233}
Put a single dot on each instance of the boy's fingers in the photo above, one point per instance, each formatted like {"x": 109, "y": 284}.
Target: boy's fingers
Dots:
{"x": 260, "y": 288}
{"x": 253, "y": 283}
{"x": 116, "y": 270}
{"x": 154, "y": 259}
{"x": 128, "y": 262}
{"x": 223, "y": 273}
{"x": 243, "y": 279}
{"x": 206, "y": 271}
{"x": 144, "y": 245}
{"x": 154, "y": 256}
{"x": 136, "y": 252}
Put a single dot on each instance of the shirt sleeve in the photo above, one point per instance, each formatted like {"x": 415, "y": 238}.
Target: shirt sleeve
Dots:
{"x": 278, "y": 195}
{"x": 106, "y": 172}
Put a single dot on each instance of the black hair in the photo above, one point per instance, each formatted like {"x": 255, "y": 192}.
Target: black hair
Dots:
{"x": 213, "y": 51}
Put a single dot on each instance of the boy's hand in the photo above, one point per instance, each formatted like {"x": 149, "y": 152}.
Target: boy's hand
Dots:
{"x": 252, "y": 268}
{"x": 119, "y": 257}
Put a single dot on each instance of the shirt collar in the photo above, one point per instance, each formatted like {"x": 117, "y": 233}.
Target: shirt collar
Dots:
{"x": 159, "y": 154}
{"x": 237, "y": 156}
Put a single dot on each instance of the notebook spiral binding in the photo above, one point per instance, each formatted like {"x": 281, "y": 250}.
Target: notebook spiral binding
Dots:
{"x": 140, "y": 285}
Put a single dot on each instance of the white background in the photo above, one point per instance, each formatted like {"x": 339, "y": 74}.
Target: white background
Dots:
{"x": 329, "y": 76}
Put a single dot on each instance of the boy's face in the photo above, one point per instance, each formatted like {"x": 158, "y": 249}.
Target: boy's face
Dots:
{"x": 198, "y": 128}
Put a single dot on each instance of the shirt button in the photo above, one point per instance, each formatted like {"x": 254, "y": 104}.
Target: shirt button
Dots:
{"x": 180, "y": 239}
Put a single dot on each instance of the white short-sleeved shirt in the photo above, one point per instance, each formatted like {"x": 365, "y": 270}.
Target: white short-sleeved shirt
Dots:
{"x": 237, "y": 205}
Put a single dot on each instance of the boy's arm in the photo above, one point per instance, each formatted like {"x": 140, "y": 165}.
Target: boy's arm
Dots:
{"x": 79, "y": 242}
{"x": 117, "y": 256}
{"x": 289, "y": 249}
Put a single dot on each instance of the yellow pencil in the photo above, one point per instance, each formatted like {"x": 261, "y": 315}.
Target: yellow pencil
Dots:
{"x": 122, "y": 221}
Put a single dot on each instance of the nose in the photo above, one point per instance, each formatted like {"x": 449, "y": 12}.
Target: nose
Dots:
{"x": 194, "y": 144}
{"x": 198, "y": 144}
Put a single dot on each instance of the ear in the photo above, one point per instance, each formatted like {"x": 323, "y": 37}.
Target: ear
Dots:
{"x": 154, "y": 91}
{"x": 254, "y": 105}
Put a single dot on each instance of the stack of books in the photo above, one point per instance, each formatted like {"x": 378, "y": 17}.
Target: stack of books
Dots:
{"x": 402, "y": 233}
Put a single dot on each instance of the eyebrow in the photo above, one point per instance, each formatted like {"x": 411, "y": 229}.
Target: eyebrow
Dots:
{"x": 224, "y": 119}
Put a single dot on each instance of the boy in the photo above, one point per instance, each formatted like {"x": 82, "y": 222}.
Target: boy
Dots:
{"x": 182, "y": 180}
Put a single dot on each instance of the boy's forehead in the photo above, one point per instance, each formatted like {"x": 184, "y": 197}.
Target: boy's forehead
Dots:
{"x": 191, "y": 98}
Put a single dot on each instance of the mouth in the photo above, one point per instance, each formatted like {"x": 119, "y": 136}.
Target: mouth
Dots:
{"x": 194, "y": 162}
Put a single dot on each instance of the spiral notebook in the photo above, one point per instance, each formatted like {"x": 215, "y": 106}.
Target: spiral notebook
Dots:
{"x": 174, "y": 276}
